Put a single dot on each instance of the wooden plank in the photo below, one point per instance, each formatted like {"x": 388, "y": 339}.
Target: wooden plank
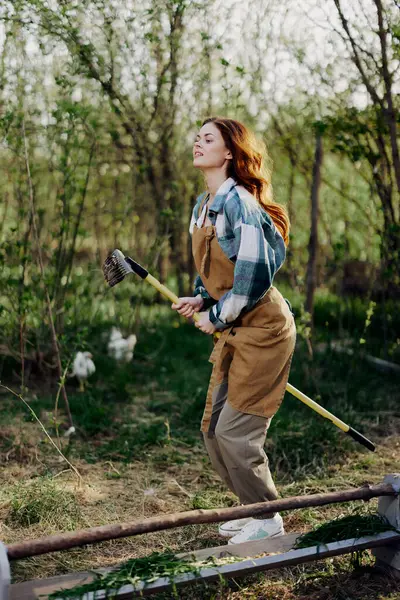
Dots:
{"x": 280, "y": 544}
{"x": 32, "y": 590}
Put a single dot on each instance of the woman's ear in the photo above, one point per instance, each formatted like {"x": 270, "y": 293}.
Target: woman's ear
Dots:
{"x": 229, "y": 155}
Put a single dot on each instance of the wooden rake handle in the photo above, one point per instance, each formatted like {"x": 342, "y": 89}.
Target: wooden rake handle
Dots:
{"x": 356, "y": 435}
{"x": 169, "y": 295}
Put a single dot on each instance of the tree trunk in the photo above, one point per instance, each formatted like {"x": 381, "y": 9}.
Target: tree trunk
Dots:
{"x": 387, "y": 76}
{"x": 311, "y": 276}
{"x": 377, "y": 76}
{"x": 390, "y": 252}
{"x": 289, "y": 256}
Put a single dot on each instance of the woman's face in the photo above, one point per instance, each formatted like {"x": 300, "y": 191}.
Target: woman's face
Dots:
{"x": 209, "y": 150}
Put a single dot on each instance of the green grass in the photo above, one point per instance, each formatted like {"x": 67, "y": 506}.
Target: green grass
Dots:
{"x": 143, "y": 570}
{"x": 42, "y": 501}
{"x": 211, "y": 499}
{"x": 345, "y": 528}
{"x": 139, "y": 409}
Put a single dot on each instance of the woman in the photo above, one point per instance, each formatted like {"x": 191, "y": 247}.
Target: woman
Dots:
{"x": 238, "y": 243}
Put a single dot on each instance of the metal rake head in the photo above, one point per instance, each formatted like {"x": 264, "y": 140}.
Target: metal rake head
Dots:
{"x": 115, "y": 268}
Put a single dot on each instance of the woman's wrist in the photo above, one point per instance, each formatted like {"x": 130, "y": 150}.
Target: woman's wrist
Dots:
{"x": 200, "y": 300}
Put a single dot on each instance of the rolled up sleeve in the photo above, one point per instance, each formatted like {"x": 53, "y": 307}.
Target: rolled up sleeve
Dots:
{"x": 199, "y": 289}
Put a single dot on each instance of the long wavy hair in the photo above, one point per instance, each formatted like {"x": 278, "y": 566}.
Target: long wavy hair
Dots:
{"x": 249, "y": 168}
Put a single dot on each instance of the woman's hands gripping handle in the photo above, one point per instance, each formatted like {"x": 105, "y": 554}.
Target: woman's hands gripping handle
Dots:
{"x": 190, "y": 308}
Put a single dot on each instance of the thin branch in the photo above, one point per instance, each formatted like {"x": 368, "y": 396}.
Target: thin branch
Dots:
{"x": 40, "y": 260}
{"x": 78, "y": 218}
{"x": 356, "y": 57}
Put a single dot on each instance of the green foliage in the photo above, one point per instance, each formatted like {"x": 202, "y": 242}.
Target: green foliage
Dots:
{"x": 96, "y": 412}
{"x": 350, "y": 130}
{"x": 133, "y": 440}
{"x": 369, "y": 314}
{"x": 211, "y": 499}
{"x": 345, "y": 528}
{"x": 42, "y": 501}
{"x": 112, "y": 168}
{"x": 143, "y": 570}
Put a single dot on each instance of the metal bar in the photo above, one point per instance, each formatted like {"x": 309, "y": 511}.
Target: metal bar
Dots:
{"x": 250, "y": 566}
{"x": 5, "y": 575}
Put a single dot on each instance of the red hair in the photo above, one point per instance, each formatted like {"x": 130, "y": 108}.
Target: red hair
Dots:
{"x": 248, "y": 167}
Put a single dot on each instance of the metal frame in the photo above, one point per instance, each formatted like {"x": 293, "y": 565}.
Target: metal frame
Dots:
{"x": 5, "y": 574}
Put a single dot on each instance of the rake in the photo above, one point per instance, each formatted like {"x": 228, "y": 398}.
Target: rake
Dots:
{"x": 117, "y": 266}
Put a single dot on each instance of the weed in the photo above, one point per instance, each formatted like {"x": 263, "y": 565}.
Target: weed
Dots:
{"x": 42, "y": 501}
{"x": 143, "y": 570}
{"x": 212, "y": 499}
{"x": 352, "y": 526}
{"x": 169, "y": 456}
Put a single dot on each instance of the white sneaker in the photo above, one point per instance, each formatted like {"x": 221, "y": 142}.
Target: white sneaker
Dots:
{"x": 259, "y": 529}
{"x": 231, "y": 528}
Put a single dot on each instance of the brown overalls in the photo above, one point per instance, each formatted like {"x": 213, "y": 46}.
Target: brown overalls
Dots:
{"x": 251, "y": 363}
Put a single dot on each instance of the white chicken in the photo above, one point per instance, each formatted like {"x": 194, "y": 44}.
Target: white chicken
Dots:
{"x": 119, "y": 348}
{"x": 82, "y": 368}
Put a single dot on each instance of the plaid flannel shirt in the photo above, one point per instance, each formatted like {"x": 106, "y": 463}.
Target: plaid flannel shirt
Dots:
{"x": 248, "y": 237}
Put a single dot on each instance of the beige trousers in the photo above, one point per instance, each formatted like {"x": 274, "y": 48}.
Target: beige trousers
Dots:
{"x": 235, "y": 444}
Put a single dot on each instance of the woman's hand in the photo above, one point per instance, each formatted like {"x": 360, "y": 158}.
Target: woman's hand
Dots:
{"x": 188, "y": 306}
{"x": 204, "y": 324}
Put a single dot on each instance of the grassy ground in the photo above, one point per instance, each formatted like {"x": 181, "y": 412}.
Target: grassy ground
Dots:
{"x": 140, "y": 454}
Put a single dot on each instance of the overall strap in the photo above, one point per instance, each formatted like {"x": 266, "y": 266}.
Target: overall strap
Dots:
{"x": 205, "y": 263}
{"x": 203, "y": 202}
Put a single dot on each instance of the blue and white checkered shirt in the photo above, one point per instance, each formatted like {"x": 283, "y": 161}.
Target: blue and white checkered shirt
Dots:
{"x": 248, "y": 237}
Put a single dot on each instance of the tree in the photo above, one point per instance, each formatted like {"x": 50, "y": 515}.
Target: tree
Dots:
{"x": 372, "y": 133}
{"x": 311, "y": 275}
